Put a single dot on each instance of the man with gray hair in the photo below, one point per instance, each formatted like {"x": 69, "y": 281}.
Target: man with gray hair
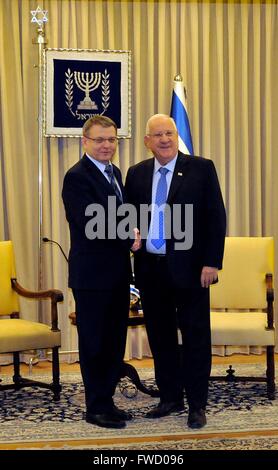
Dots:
{"x": 177, "y": 263}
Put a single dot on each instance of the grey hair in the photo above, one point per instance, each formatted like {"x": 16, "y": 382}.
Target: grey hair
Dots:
{"x": 157, "y": 116}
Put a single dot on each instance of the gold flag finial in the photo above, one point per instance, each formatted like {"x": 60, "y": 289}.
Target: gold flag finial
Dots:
{"x": 178, "y": 78}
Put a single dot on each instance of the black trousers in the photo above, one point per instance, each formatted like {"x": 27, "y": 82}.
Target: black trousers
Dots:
{"x": 102, "y": 317}
{"x": 166, "y": 309}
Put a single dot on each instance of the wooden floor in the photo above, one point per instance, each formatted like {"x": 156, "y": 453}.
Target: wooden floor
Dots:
{"x": 45, "y": 366}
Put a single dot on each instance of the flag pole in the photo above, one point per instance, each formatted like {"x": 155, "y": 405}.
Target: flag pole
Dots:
{"x": 39, "y": 17}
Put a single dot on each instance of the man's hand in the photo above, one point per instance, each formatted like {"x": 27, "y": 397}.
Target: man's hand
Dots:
{"x": 137, "y": 240}
{"x": 208, "y": 276}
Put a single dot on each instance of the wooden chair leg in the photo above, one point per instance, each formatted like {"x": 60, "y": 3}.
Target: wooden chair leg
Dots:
{"x": 16, "y": 377}
{"x": 56, "y": 373}
{"x": 270, "y": 372}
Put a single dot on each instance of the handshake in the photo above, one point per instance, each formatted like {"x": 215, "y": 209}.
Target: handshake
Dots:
{"x": 137, "y": 240}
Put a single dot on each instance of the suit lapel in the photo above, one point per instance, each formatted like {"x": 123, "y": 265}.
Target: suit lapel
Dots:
{"x": 178, "y": 176}
{"x": 118, "y": 177}
{"x": 97, "y": 175}
{"x": 148, "y": 180}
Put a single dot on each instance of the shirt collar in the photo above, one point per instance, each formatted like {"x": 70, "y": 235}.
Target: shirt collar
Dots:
{"x": 170, "y": 165}
{"x": 101, "y": 166}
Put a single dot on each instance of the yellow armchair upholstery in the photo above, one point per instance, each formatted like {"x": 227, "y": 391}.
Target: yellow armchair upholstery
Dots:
{"x": 242, "y": 301}
{"x": 16, "y": 334}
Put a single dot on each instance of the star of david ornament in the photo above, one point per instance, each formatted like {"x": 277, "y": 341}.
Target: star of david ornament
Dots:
{"x": 39, "y": 16}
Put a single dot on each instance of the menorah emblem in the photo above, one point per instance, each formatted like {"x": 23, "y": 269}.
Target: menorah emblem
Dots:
{"x": 88, "y": 85}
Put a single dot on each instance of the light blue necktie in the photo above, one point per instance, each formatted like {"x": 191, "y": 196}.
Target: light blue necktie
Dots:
{"x": 109, "y": 171}
{"x": 158, "y": 215}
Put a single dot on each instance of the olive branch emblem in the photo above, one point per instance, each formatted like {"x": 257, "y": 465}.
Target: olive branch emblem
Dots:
{"x": 69, "y": 90}
{"x": 105, "y": 90}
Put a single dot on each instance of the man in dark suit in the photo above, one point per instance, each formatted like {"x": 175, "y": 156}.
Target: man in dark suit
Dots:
{"x": 176, "y": 265}
{"x": 99, "y": 269}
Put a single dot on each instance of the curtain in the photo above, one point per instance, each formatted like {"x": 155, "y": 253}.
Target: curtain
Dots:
{"x": 227, "y": 53}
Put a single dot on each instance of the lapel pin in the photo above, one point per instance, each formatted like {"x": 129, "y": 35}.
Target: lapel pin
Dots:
{"x": 179, "y": 173}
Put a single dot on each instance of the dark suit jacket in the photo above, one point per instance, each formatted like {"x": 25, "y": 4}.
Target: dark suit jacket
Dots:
{"x": 96, "y": 263}
{"x": 194, "y": 182}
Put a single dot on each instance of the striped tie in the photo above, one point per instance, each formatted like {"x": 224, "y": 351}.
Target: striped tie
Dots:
{"x": 109, "y": 171}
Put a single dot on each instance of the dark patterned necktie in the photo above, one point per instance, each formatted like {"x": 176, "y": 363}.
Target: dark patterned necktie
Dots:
{"x": 109, "y": 171}
{"x": 158, "y": 223}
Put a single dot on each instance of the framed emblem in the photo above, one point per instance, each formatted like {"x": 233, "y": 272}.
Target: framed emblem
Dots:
{"x": 79, "y": 83}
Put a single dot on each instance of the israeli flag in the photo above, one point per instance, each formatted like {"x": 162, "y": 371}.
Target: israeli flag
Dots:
{"x": 134, "y": 291}
{"x": 179, "y": 114}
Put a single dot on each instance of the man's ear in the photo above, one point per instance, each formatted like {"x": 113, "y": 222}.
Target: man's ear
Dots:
{"x": 146, "y": 141}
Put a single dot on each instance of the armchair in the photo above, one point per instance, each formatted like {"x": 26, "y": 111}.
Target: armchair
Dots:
{"x": 16, "y": 334}
{"x": 242, "y": 302}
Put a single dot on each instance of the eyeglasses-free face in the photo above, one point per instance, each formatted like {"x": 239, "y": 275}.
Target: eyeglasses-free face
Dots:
{"x": 100, "y": 143}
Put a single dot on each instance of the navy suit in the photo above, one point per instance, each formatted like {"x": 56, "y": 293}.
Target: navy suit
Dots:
{"x": 99, "y": 275}
{"x": 171, "y": 292}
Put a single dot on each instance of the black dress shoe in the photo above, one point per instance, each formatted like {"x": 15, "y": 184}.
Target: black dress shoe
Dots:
{"x": 196, "y": 419}
{"x": 105, "y": 420}
{"x": 165, "y": 408}
{"x": 121, "y": 414}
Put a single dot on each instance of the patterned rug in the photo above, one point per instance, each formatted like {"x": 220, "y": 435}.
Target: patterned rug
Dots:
{"x": 32, "y": 416}
{"x": 200, "y": 444}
